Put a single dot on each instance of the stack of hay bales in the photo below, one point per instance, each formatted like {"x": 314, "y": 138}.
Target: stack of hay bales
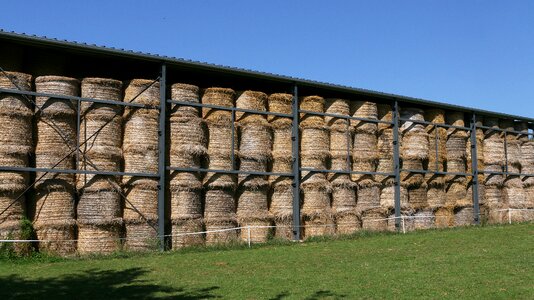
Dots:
{"x": 220, "y": 208}
{"x": 99, "y": 208}
{"x": 56, "y": 139}
{"x": 315, "y": 145}
{"x": 343, "y": 189}
{"x": 385, "y": 145}
{"x": 494, "y": 157}
{"x": 255, "y": 146}
{"x": 437, "y": 137}
{"x": 15, "y": 145}
{"x": 140, "y": 150}
{"x": 456, "y": 189}
{"x": 527, "y": 167}
{"x": 187, "y": 148}
{"x": 281, "y": 206}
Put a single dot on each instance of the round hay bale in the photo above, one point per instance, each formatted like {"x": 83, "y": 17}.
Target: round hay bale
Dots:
{"x": 258, "y": 232}
{"x": 16, "y": 211}
{"x": 101, "y": 89}
{"x": 456, "y": 165}
{"x": 436, "y": 195}
{"x": 220, "y": 180}
{"x": 221, "y": 97}
{"x": 424, "y": 219}
{"x": 497, "y": 215}
{"x": 182, "y": 226}
{"x": 385, "y": 113}
{"x": 284, "y": 229}
{"x": 12, "y": 230}
{"x": 363, "y": 165}
{"x": 186, "y": 202}
{"x": 56, "y": 85}
{"x": 140, "y": 235}
{"x": 444, "y": 217}
{"x": 412, "y": 114}
{"x": 387, "y": 196}
{"x": 514, "y": 194}
{"x": 186, "y": 93}
{"x": 347, "y": 222}
{"x": 141, "y": 132}
{"x": 489, "y": 133}
{"x": 493, "y": 179}
{"x": 142, "y": 199}
{"x": 343, "y": 195}
{"x": 101, "y": 238}
{"x": 282, "y": 143}
{"x": 469, "y": 193}
{"x": 456, "y": 192}
{"x": 189, "y": 136}
{"x": 385, "y": 143}
{"x": 529, "y": 194}
{"x": 252, "y": 200}
{"x": 340, "y": 143}
{"x": 142, "y": 91}
{"x": 16, "y": 132}
{"x": 99, "y": 206}
{"x": 408, "y": 178}
{"x": 54, "y": 203}
{"x": 255, "y": 142}
{"x": 13, "y": 181}
{"x": 464, "y": 217}
{"x": 221, "y": 237}
{"x": 415, "y": 145}
{"x": 100, "y": 133}
{"x": 318, "y": 225}
{"x": 456, "y": 146}
{"x": 247, "y": 164}
{"x": 14, "y": 105}
{"x": 385, "y": 165}
{"x": 374, "y": 220}
{"x": 281, "y": 164}
{"x": 493, "y": 195}
{"x": 220, "y": 204}
{"x": 101, "y": 158}
{"x": 368, "y": 195}
{"x": 365, "y": 146}
{"x": 281, "y": 206}
{"x": 315, "y": 141}
{"x": 185, "y": 179}
{"x": 339, "y": 163}
{"x": 523, "y": 128}
{"x": 417, "y": 196}
{"x": 280, "y": 103}
{"x": 220, "y": 139}
{"x": 367, "y": 110}
{"x": 527, "y": 152}
{"x": 56, "y": 238}
{"x": 315, "y": 104}
{"x": 252, "y": 100}
{"x": 455, "y": 118}
{"x": 436, "y": 116}
{"x": 316, "y": 198}
{"x": 337, "y": 107}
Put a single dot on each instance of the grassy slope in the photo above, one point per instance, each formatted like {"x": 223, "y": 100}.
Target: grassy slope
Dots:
{"x": 484, "y": 262}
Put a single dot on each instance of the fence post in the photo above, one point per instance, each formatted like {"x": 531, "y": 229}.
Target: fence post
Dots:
{"x": 509, "y": 216}
{"x": 248, "y": 235}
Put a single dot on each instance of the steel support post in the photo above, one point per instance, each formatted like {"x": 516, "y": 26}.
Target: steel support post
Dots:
{"x": 396, "y": 164}
{"x": 296, "y": 165}
{"x": 161, "y": 156}
{"x": 474, "y": 167}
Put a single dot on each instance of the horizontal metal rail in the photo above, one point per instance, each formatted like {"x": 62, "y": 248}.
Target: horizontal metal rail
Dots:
{"x": 435, "y": 124}
{"x": 506, "y": 173}
{"x": 228, "y": 108}
{"x": 229, "y": 171}
{"x": 302, "y": 111}
{"x": 70, "y": 98}
{"x": 436, "y": 172}
{"x": 72, "y": 171}
{"x": 345, "y": 172}
{"x": 505, "y": 130}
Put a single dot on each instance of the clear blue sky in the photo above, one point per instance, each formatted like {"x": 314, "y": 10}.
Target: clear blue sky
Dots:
{"x": 472, "y": 53}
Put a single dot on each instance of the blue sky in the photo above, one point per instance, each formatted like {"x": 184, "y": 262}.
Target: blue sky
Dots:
{"x": 472, "y": 53}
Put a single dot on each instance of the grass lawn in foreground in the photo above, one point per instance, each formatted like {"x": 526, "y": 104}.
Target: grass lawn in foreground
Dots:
{"x": 492, "y": 262}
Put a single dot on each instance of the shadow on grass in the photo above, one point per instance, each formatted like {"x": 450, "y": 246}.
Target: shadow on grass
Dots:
{"x": 97, "y": 284}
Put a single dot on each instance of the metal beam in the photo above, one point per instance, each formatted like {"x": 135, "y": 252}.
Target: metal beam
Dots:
{"x": 72, "y": 171}
{"x": 296, "y": 164}
{"x": 162, "y": 155}
{"x": 474, "y": 168}
{"x": 396, "y": 164}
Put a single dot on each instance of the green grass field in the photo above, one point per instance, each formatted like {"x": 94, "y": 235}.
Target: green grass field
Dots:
{"x": 494, "y": 262}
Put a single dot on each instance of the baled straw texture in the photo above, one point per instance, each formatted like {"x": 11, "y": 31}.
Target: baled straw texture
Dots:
{"x": 456, "y": 146}
{"x": 186, "y": 179}
{"x": 436, "y": 116}
{"x": 255, "y": 141}
{"x": 417, "y": 196}
{"x": 406, "y": 218}
{"x": 374, "y": 220}
{"x": 385, "y": 143}
{"x": 251, "y": 100}
{"x": 481, "y": 192}
{"x": 464, "y": 217}
{"x": 281, "y": 206}
{"x": 408, "y": 178}
{"x": 219, "y": 151}
{"x": 189, "y": 136}
{"x": 318, "y": 225}
{"x": 412, "y": 114}
{"x": 456, "y": 165}
{"x": 315, "y": 104}
{"x": 424, "y": 219}
{"x": 219, "y": 204}
{"x": 493, "y": 179}
{"x": 100, "y": 206}
{"x": 340, "y": 143}
{"x": 514, "y": 193}
{"x": 280, "y": 103}
{"x": 365, "y": 146}
{"x": 455, "y": 118}
{"x": 56, "y": 85}
{"x": 527, "y": 161}
{"x": 513, "y": 147}
{"x": 186, "y": 93}
{"x": 13, "y": 104}
{"x": 222, "y": 237}
{"x": 363, "y": 165}
{"x": 415, "y": 145}
{"x": 456, "y": 192}
{"x": 101, "y": 158}
{"x": 337, "y": 107}
{"x": 523, "y": 128}
{"x": 16, "y": 211}
{"x": 368, "y": 196}
{"x": 56, "y": 238}
{"x": 252, "y": 201}
{"x": 347, "y": 222}
{"x": 143, "y": 91}
{"x": 282, "y": 140}
{"x": 385, "y": 113}
{"x": 13, "y": 181}
{"x": 220, "y": 180}
{"x": 493, "y": 151}
{"x": 493, "y": 196}
{"x": 101, "y": 89}
{"x": 366, "y": 110}
{"x": 179, "y": 227}
{"x": 529, "y": 194}
{"x": 316, "y": 197}
{"x": 343, "y": 195}
{"x": 497, "y": 216}
{"x": 444, "y": 217}
{"x": 142, "y": 199}
{"x": 436, "y": 195}
{"x": 54, "y": 204}
{"x": 315, "y": 142}
{"x": 387, "y": 196}
{"x": 221, "y": 97}
{"x": 98, "y": 238}
{"x": 186, "y": 202}
{"x": 141, "y": 236}
{"x": 259, "y": 234}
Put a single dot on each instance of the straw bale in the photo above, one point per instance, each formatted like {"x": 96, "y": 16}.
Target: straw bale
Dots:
{"x": 189, "y": 135}
{"x": 514, "y": 156}
{"x": 385, "y": 165}
{"x": 284, "y": 229}
{"x": 257, "y": 235}
{"x": 220, "y": 204}
{"x": 223, "y": 237}
{"x": 16, "y": 132}
{"x": 252, "y": 100}
{"x": 13, "y": 181}
{"x": 15, "y": 105}
{"x": 181, "y": 226}
{"x": 316, "y": 198}
{"x": 412, "y": 114}
{"x": 101, "y": 89}
{"x": 280, "y": 103}
{"x": 522, "y": 127}
{"x": 182, "y": 178}
{"x": 493, "y": 196}
{"x": 519, "y": 216}
{"x": 464, "y": 217}
{"x": 368, "y": 196}
{"x": 315, "y": 104}
{"x": 142, "y": 196}
{"x": 385, "y": 113}
{"x": 221, "y": 97}
{"x": 444, "y": 217}
{"x": 280, "y": 164}
{"x": 407, "y": 219}
{"x": 408, "y": 178}
{"x": 220, "y": 180}
{"x": 365, "y": 146}
{"x": 315, "y": 141}
{"x": 255, "y": 142}
{"x": 529, "y": 194}
{"x": 455, "y": 118}
{"x": 337, "y": 107}
{"x": 252, "y": 200}
{"x": 415, "y": 145}
{"x": 12, "y": 230}
{"x": 424, "y": 219}
{"x": 493, "y": 179}
{"x": 220, "y": 139}
{"x": 493, "y": 123}
{"x": 247, "y": 164}
{"x": 456, "y": 192}
{"x": 143, "y": 91}
{"x": 347, "y": 222}
{"x": 417, "y": 196}
{"x": 56, "y": 85}
{"x": 141, "y": 132}
{"x": 363, "y": 165}
{"x": 339, "y": 163}
{"x": 436, "y": 116}
{"x": 385, "y": 143}
{"x": 340, "y": 143}
{"x": 281, "y": 206}
{"x": 318, "y": 225}
{"x": 528, "y": 169}
{"x": 282, "y": 143}
{"x": 514, "y": 194}
{"x": 367, "y": 110}
{"x": 387, "y": 196}
{"x": 343, "y": 195}
{"x": 141, "y": 236}
{"x": 99, "y": 206}
{"x": 186, "y": 93}
{"x": 527, "y": 154}
{"x": 101, "y": 158}
{"x": 186, "y": 202}
{"x": 98, "y": 238}
{"x": 54, "y": 203}
{"x": 136, "y": 160}
{"x": 456, "y": 146}
{"x": 56, "y": 238}
{"x": 17, "y": 209}
{"x": 456, "y": 165}
{"x": 374, "y": 220}
{"x": 497, "y": 216}
{"x": 436, "y": 195}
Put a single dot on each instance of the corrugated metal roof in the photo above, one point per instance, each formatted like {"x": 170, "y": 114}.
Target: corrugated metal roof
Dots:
{"x": 43, "y": 40}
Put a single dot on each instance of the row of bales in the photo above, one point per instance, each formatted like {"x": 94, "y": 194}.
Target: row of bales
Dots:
{"x": 91, "y": 213}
